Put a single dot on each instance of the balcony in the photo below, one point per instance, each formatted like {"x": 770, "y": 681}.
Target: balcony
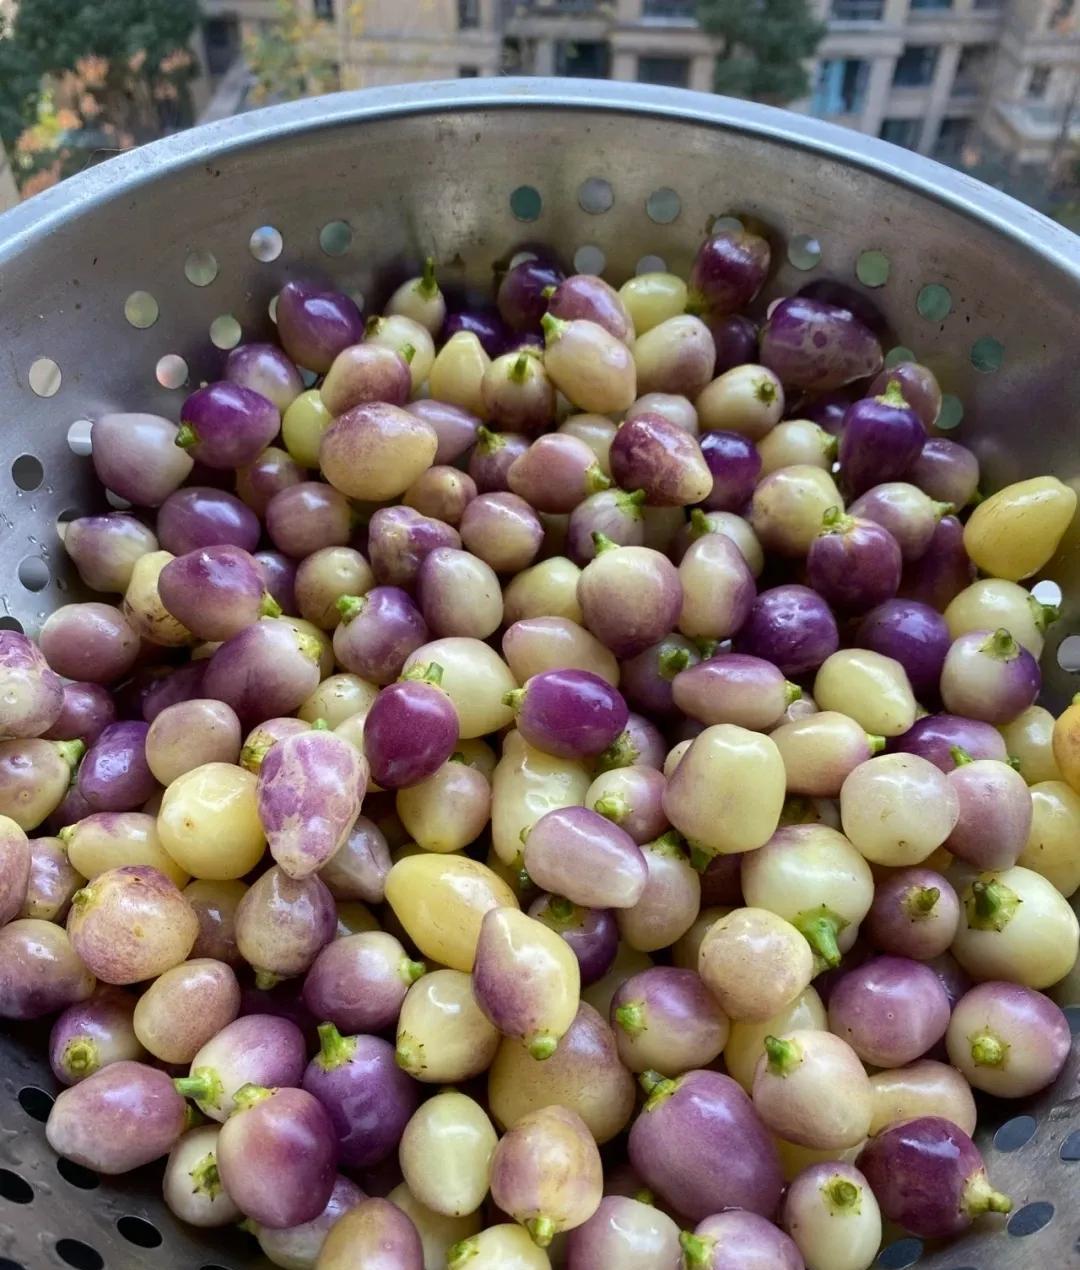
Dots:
{"x": 858, "y": 11}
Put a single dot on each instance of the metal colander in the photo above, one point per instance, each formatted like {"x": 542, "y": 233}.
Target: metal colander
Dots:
{"x": 126, "y": 285}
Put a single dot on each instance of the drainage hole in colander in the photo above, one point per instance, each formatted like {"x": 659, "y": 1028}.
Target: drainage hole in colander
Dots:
{"x": 589, "y": 259}
{"x": 15, "y": 1188}
{"x": 595, "y": 195}
{"x": 27, "y": 471}
{"x": 114, "y": 500}
{"x": 10, "y": 624}
{"x": 44, "y": 377}
{"x": 897, "y": 355}
{"x": 987, "y": 354}
{"x": 1031, "y": 1218}
{"x": 6, "y": 1263}
{"x": 726, "y": 223}
{"x": 804, "y": 251}
{"x": 872, "y": 268}
{"x": 1015, "y": 1133}
{"x": 265, "y": 244}
{"x": 335, "y": 237}
{"x": 934, "y": 302}
{"x": 200, "y": 268}
{"x": 526, "y": 203}
{"x": 651, "y": 264}
{"x": 171, "y": 371}
{"x": 141, "y": 310}
{"x": 1070, "y": 1148}
{"x": 79, "y": 1255}
{"x": 136, "y": 1230}
{"x": 78, "y": 437}
{"x": 900, "y": 1255}
{"x": 35, "y": 1102}
{"x": 950, "y": 414}
{"x": 33, "y": 573}
{"x": 1068, "y": 657}
{"x": 225, "y": 332}
{"x": 663, "y": 206}
{"x": 85, "y": 1179}
{"x": 1047, "y": 591}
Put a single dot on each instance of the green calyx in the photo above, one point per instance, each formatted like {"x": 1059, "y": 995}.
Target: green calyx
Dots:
{"x": 185, "y": 436}
{"x": 699, "y": 524}
{"x": 407, "y": 352}
{"x": 706, "y": 647}
{"x": 835, "y": 521}
{"x": 205, "y": 1179}
{"x": 250, "y": 1095}
{"x": 990, "y": 905}
{"x": 523, "y": 881}
{"x": 320, "y": 725}
{"x": 596, "y": 479}
{"x": 350, "y": 606}
{"x": 830, "y": 445}
{"x": 549, "y": 291}
{"x": 782, "y": 1056}
{"x": 622, "y": 752}
{"x": 658, "y": 1088}
{"x": 335, "y": 1050}
{"x": 700, "y": 857}
{"x": 842, "y": 1197}
{"x": 960, "y": 756}
{"x": 515, "y": 699}
{"x": 631, "y": 504}
{"x": 426, "y": 285}
{"x": 204, "y": 1085}
{"x": 373, "y": 325}
{"x": 792, "y": 692}
{"x": 542, "y": 1230}
{"x": 461, "y": 1253}
{"x": 267, "y": 979}
{"x": 669, "y": 845}
{"x": 601, "y": 542}
{"x": 560, "y": 913}
{"x": 697, "y": 1251}
{"x": 645, "y": 1196}
{"x": 941, "y": 510}
{"x": 798, "y": 810}
{"x": 411, "y": 970}
{"x": 1043, "y": 615}
{"x": 980, "y": 1197}
{"x": 554, "y": 328}
{"x": 70, "y": 752}
{"x": 269, "y": 607}
{"x": 67, "y": 834}
{"x": 987, "y": 1050}
{"x": 893, "y": 394}
{"x": 81, "y": 1057}
{"x": 1013, "y": 762}
{"x": 519, "y": 371}
{"x": 251, "y": 756}
{"x": 487, "y": 442}
{"x": 409, "y": 1054}
{"x": 542, "y": 1046}
{"x": 631, "y": 1018}
{"x": 431, "y": 673}
{"x": 820, "y": 927}
{"x": 1000, "y": 646}
{"x": 613, "y": 807}
{"x": 309, "y": 646}
{"x": 920, "y": 902}
{"x": 672, "y": 661}
{"x": 874, "y": 743}
{"x": 765, "y": 390}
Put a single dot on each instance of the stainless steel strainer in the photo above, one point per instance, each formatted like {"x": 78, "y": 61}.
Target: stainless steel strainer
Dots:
{"x": 123, "y": 286}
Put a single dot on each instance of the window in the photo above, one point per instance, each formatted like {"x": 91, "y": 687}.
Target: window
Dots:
{"x": 922, "y": 6}
{"x": 1037, "y": 83}
{"x": 468, "y": 14}
{"x": 953, "y": 137}
{"x": 902, "y": 132}
{"x": 669, "y": 10}
{"x": 673, "y": 71}
{"x": 222, "y": 40}
{"x": 915, "y": 66}
{"x": 840, "y": 87}
{"x": 858, "y": 10}
{"x": 324, "y": 10}
{"x": 582, "y": 59}
{"x": 468, "y": 72}
{"x": 971, "y": 70}
{"x": 1061, "y": 12}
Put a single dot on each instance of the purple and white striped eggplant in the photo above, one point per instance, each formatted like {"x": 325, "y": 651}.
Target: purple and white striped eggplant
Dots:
{"x": 568, "y": 713}
{"x": 579, "y": 854}
{"x": 31, "y": 692}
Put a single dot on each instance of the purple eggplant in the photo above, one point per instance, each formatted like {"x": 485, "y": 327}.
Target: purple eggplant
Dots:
{"x": 718, "y": 589}
{"x": 738, "y": 1240}
{"x": 34, "y": 778}
{"x": 583, "y": 295}
{"x": 914, "y": 914}
{"x": 282, "y": 923}
{"x": 359, "y": 982}
{"x": 358, "y": 869}
{"x": 32, "y": 693}
{"x": 728, "y": 271}
{"x": 225, "y": 425}
{"x": 268, "y": 669}
{"x": 455, "y": 428}
{"x": 905, "y": 511}
{"x": 199, "y": 516}
{"x": 946, "y": 472}
{"x": 689, "y": 1123}
{"x": 87, "y": 711}
{"x": 256, "y": 1049}
{"x": 589, "y": 365}
{"x": 492, "y": 457}
{"x": 928, "y": 1176}
{"x": 258, "y": 741}
{"x": 666, "y": 1020}
{"x": 376, "y": 1234}
{"x": 486, "y": 324}
{"x": 735, "y": 465}
{"x": 191, "y": 1186}
{"x": 104, "y": 548}
{"x": 89, "y": 641}
{"x": 377, "y": 632}
{"x": 613, "y": 514}
{"x": 265, "y": 369}
{"x": 591, "y": 933}
{"x": 276, "y": 1156}
{"x": 398, "y": 540}
{"x": 919, "y": 386}
{"x": 376, "y": 450}
{"x": 652, "y": 453}
{"x": 792, "y": 627}
{"x": 459, "y": 594}
{"x": 503, "y": 531}
{"x": 14, "y": 869}
{"x": 568, "y": 713}
{"x": 315, "y": 325}
{"x": 40, "y": 971}
{"x": 442, "y": 492}
{"x": 307, "y": 517}
{"x": 301, "y": 1245}
{"x": 625, "y": 1232}
{"x": 121, "y": 1118}
{"x": 881, "y": 438}
{"x": 630, "y": 597}
{"x": 936, "y": 736}
{"x": 817, "y": 346}
{"x": 736, "y": 340}
{"x": 364, "y": 373}
{"x": 1008, "y": 1040}
{"x": 215, "y": 592}
{"x": 136, "y": 456}
{"x": 521, "y": 297}
{"x": 988, "y": 676}
{"x": 640, "y": 743}
{"x": 92, "y": 1034}
{"x": 890, "y": 1010}
{"x": 996, "y": 812}
{"x": 309, "y": 793}
{"x": 647, "y": 680}
{"x": 911, "y": 633}
{"x": 368, "y": 1098}
{"x": 556, "y": 473}
{"x": 854, "y": 564}
{"x": 943, "y": 571}
{"x": 631, "y": 797}
{"x": 734, "y": 688}
{"x": 581, "y": 855}
{"x": 114, "y": 774}
{"x": 410, "y": 731}
{"x": 215, "y": 904}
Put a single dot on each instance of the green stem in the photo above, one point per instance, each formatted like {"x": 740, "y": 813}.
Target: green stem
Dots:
{"x": 672, "y": 661}
{"x": 893, "y": 396}
{"x": 613, "y": 807}
{"x": 700, "y": 858}
{"x": 1013, "y": 762}
{"x": 980, "y": 1197}
{"x": 1001, "y": 646}
{"x": 542, "y": 1230}
{"x": 81, "y": 1056}
{"x": 706, "y": 647}
{"x": 459, "y": 1254}
{"x": 407, "y": 352}
{"x": 602, "y": 543}
{"x": 350, "y": 606}
{"x": 542, "y": 1046}
{"x": 269, "y": 606}
{"x": 959, "y": 756}
{"x": 335, "y": 1050}
{"x": 765, "y": 390}
{"x": 783, "y": 1056}
{"x": 631, "y": 1017}
{"x": 941, "y": 510}
{"x": 596, "y": 479}
{"x": 697, "y": 1251}
{"x": 820, "y": 927}
{"x": 622, "y": 752}
{"x": 205, "y": 1179}
{"x": 919, "y": 902}
{"x": 645, "y": 1196}
{"x": 320, "y": 725}
{"x": 487, "y": 442}
{"x": 836, "y": 522}
{"x": 427, "y": 287}
{"x": 431, "y": 673}
{"x": 309, "y": 647}
{"x": 411, "y": 970}
{"x": 515, "y": 699}
{"x": 1043, "y": 615}
{"x": 632, "y": 503}
{"x": 250, "y": 1095}
{"x": 669, "y": 845}
{"x": 204, "y": 1085}
{"x": 792, "y": 692}
{"x": 267, "y": 979}
{"x": 699, "y": 524}
{"x": 990, "y": 905}
{"x": 519, "y": 372}
{"x": 554, "y": 328}
{"x": 409, "y": 1054}
{"x": 70, "y": 752}
{"x": 657, "y": 1088}
{"x": 66, "y": 834}
{"x": 874, "y": 743}
{"x": 842, "y": 1196}
{"x": 549, "y": 291}
{"x": 830, "y": 445}
{"x": 185, "y": 436}
{"x": 560, "y": 912}
{"x": 988, "y": 1051}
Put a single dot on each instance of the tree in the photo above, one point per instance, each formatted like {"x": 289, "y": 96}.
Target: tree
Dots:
{"x": 287, "y": 59}
{"x": 764, "y": 44}
{"x": 84, "y": 75}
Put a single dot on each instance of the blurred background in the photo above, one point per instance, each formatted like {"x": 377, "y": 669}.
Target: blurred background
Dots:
{"x": 988, "y": 86}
